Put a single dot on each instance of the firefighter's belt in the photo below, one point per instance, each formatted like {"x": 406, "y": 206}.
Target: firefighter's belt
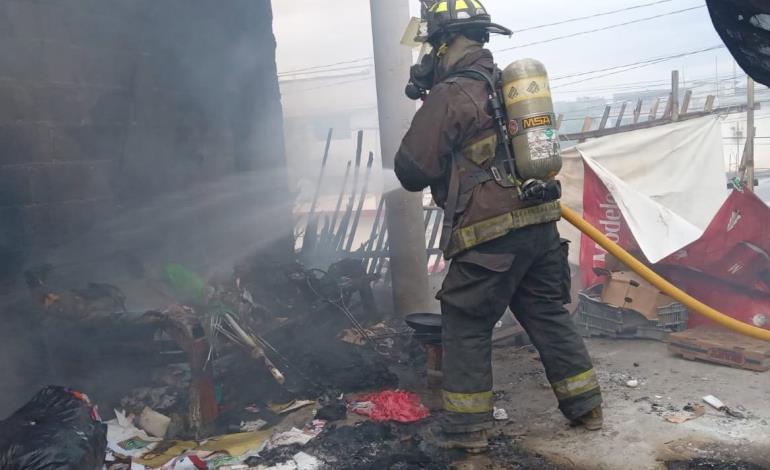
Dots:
{"x": 490, "y": 229}
{"x": 468, "y": 402}
{"x": 576, "y": 385}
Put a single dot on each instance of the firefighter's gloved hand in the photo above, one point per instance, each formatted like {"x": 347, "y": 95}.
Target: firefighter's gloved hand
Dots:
{"x": 543, "y": 191}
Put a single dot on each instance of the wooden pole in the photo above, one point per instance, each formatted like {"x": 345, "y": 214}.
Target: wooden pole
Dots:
{"x": 675, "y": 95}
{"x": 750, "y": 131}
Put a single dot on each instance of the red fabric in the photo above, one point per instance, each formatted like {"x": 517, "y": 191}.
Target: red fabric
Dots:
{"x": 747, "y": 305}
{"x": 393, "y": 405}
{"x": 728, "y": 268}
{"x": 601, "y": 211}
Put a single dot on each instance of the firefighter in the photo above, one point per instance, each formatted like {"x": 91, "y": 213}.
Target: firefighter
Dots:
{"x": 505, "y": 249}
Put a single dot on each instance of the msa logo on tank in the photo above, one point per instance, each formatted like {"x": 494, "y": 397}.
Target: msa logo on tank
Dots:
{"x": 537, "y": 121}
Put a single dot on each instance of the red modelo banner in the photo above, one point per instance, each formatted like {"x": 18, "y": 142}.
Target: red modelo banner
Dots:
{"x": 727, "y": 268}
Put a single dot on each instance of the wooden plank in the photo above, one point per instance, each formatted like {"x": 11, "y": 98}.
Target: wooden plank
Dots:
{"x": 605, "y": 117}
{"x": 669, "y": 103}
{"x": 709, "y": 103}
{"x": 638, "y": 110}
{"x": 587, "y": 124}
{"x": 559, "y": 121}
{"x": 583, "y": 136}
{"x": 619, "y": 122}
{"x": 686, "y": 102}
{"x": 721, "y": 346}
{"x": 654, "y": 110}
{"x": 675, "y": 95}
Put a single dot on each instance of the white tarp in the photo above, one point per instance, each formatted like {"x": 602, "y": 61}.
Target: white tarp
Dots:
{"x": 669, "y": 181}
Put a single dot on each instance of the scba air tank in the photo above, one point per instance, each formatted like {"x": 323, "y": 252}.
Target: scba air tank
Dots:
{"x": 531, "y": 120}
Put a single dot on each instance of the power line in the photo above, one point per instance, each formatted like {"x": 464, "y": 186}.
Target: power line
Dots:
{"x": 337, "y": 69}
{"x": 345, "y": 62}
{"x": 362, "y": 59}
{"x": 605, "y": 28}
{"x": 645, "y": 64}
{"x": 635, "y": 7}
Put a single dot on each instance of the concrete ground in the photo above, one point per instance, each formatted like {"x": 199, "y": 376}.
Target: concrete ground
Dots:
{"x": 637, "y": 434}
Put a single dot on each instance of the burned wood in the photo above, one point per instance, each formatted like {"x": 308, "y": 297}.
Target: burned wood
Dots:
{"x": 329, "y": 234}
{"x": 638, "y": 110}
{"x": 361, "y": 201}
{"x": 686, "y": 102}
{"x": 311, "y": 227}
{"x": 605, "y": 117}
{"x": 342, "y": 231}
{"x": 622, "y": 112}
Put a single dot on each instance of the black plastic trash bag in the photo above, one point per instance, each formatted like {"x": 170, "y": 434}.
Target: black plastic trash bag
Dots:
{"x": 744, "y": 26}
{"x": 58, "y": 429}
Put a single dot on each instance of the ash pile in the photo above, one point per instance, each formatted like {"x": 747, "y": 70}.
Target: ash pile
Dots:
{"x": 272, "y": 366}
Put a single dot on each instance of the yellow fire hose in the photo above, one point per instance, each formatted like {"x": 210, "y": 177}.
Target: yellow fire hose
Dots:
{"x": 663, "y": 285}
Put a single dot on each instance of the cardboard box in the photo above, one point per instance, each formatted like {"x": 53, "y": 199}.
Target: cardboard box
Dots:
{"x": 626, "y": 289}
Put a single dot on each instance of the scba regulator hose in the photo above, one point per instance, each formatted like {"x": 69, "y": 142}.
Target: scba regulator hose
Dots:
{"x": 663, "y": 285}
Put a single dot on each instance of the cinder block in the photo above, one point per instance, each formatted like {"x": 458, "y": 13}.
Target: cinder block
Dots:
{"x": 14, "y": 186}
{"x": 61, "y": 61}
{"x": 16, "y": 104}
{"x": 64, "y": 182}
{"x": 25, "y": 143}
{"x": 88, "y": 142}
{"x": 12, "y": 228}
{"x": 22, "y": 19}
{"x": 21, "y": 59}
{"x": 59, "y": 104}
{"x": 114, "y": 68}
{"x": 106, "y": 107}
{"x": 11, "y": 265}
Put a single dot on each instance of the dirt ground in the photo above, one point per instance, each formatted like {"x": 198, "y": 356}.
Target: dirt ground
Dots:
{"x": 637, "y": 434}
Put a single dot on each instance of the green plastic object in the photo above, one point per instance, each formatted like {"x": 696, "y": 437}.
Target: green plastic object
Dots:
{"x": 187, "y": 285}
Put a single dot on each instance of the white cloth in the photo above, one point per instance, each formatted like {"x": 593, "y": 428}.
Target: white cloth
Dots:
{"x": 669, "y": 181}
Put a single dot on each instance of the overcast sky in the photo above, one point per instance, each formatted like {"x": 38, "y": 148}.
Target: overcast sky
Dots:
{"x": 318, "y": 32}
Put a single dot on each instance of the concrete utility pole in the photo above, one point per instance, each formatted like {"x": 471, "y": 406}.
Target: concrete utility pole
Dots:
{"x": 406, "y": 229}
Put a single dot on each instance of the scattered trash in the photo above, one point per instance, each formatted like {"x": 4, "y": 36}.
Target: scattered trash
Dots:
{"x": 714, "y": 402}
{"x": 500, "y": 414}
{"x": 253, "y": 426}
{"x": 296, "y": 436}
{"x": 300, "y": 461}
{"x": 154, "y": 423}
{"x": 58, "y": 428}
{"x": 717, "y": 404}
{"x": 696, "y": 410}
{"x": 399, "y": 406}
{"x": 332, "y": 409}
{"x": 125, "y": 439}
{"x": 291, "y": 406}
{"x": 632, "y": 383}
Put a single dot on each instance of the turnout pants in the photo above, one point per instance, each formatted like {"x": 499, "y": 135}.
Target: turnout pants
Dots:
{"x": 527, "y": 270}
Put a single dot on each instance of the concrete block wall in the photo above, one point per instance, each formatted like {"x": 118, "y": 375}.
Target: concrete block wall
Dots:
{"x": 105, "y": 104}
